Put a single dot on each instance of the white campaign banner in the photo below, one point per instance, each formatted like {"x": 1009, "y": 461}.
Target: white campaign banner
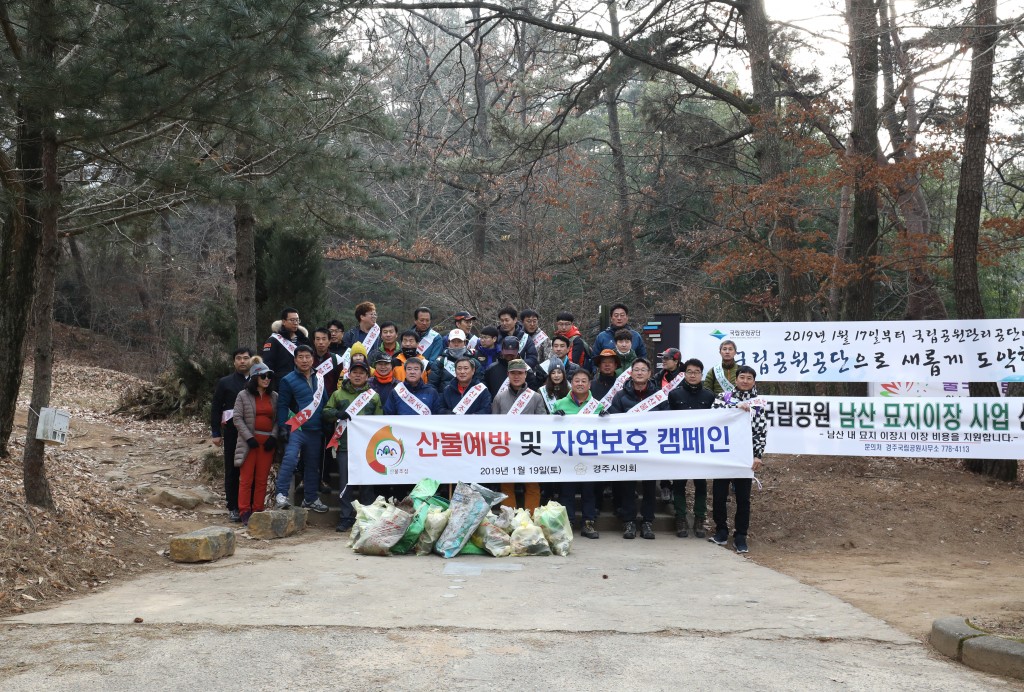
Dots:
{"x": 934, "y": 350}
{"x": 501, "y": 449}
{"x": 977, "y": 428}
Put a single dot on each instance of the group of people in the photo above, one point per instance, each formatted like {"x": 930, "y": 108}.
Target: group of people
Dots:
{"x": 296, "y": 397}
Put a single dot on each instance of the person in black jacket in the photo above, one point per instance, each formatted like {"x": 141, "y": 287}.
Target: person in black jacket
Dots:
{"x": 496, "y": 375}
{"x": 276, "y": 355}
{"x": 688, "y": 396}
{"x": 508, "y": 326}
{"x": 223, "y": 432}
{"x": 638, "y": 388}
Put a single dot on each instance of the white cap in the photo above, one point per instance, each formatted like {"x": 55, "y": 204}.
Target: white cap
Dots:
{"x": 457, "y": 334}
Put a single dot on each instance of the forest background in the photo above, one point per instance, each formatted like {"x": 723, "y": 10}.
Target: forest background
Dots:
{"x": 175, "y": 173}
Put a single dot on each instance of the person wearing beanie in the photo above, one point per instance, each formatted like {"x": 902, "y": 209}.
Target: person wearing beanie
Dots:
{"x": 556, "y": 386}
{"x": 691, "y": 395}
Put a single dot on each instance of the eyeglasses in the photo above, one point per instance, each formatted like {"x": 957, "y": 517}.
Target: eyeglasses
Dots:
{"x": 264, "y": 376}
{"x": 334, "y": 331}
{"x": 294, "y": 320}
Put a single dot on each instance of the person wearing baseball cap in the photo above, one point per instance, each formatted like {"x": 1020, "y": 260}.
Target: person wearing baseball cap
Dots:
{"x": 519, "y": 494}
{"x": 442, "y": 370}
{"x": 669, "y": 367}
{"x": 497, "y": 374}
{"x": 338, "y": 409}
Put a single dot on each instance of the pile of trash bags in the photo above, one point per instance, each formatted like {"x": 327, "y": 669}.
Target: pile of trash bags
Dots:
{"x": 424, "y": 523}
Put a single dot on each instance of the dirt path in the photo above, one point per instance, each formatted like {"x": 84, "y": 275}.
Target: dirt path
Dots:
{"x": 905, "y": 540}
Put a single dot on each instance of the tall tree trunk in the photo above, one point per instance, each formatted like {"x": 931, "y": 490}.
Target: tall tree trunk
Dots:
{"x": 43, "y": 207}
{"x": 966, "y": 288}
{"x": 923, "y": 299}
{"x": 860, "y": 293}
{"x": 623, "y": 215}
{"x": 165, "y": 310}
{"x": 481, "y": 142}
{"x": 768, "y": 140}
{"x": 835, "y": 303}
{"x": 37, "y": 488}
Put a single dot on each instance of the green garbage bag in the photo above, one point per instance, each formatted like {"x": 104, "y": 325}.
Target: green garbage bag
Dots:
{"x": 554, "y": 522}
{"x": 423, "y": 499}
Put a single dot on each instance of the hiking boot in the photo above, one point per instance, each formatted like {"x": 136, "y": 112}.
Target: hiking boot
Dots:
{"x": 647, "y": 531}
{"x": 721, "y": 537}
{"x": 629, "y": 530}
{"x": 741, "y": 543}
{"x": 344, "y": 527}
{"x": 233, "y": 515}
{"x": 681, "y": 527}
{"x": 244, "y": 517}
{"x": 315, "y": 506}
{"x": 589, "y": 531}
{"x": 698, "y": 527}
{"x": 281, "y": 501}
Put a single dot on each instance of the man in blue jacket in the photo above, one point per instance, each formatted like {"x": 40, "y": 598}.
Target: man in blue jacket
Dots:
{"x": 302, "y": 393}
{"x": 401, "y": 403}
{"x": 619, "y": 317}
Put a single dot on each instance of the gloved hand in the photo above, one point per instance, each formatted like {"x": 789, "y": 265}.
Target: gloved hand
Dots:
{"x": 344, "y": 416}
{"x": 330, "y": 416}
{"x": 559, "y": 413}
{"x": 283, "y": 435}
{"x": 270, "y": 444}
{"x": 603, "y": 414}
{"x": 253, "y": 444}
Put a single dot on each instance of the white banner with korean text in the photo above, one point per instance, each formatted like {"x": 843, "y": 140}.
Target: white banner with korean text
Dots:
{"x": 923, "y": 351}
{"x": 503, "y": 449}
{"x": 976, "y": 428}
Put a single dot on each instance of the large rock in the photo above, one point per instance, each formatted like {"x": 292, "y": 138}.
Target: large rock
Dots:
{"x": 277, "y": 523}
{"x": 204, "y": 545}
{"x": 174, "y": 497}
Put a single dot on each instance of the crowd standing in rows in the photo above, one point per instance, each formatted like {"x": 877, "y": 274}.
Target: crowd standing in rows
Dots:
{"x": 275, "y": 403}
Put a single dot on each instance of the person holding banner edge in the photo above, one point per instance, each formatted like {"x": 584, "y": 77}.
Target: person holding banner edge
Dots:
{"x": 639, "y": 395}
{"x": 580, "y": 402}
{"x": 354, "y": 397}
{"x": 743, "y": 397}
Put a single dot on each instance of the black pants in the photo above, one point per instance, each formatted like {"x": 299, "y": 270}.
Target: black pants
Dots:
{"x": 647, "y": 504}
{"x": 720, "y": 494}
{"x": 568, "y": 497}
{"x": 229, "y": 437}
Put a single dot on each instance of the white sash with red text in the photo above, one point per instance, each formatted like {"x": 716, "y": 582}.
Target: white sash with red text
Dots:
{"x": 357, "y": 405}
{"x": 650, "y": 402}
{"x": 425, "y": 342}
{"x": 667, "y": 386}
{"x": 409, "y": 398}
{"x": 467, "y": 400}
{"x": 502, "y": 389}
{"x": 288, "y": 345}
{"x": 590, "y": 408}
{"x": 619, "y": 382}
{"x": 300, "y": 418}
{"x": 539, "y": 338}
{"x": 521, "y": 401}
{"x": 371, "y": 338}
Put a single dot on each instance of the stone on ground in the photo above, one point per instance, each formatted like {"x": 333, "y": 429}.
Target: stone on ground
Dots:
{"x": 204, "y": 545}
{"x": 175, "y": 497}
{"x": 277, "y": 523}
